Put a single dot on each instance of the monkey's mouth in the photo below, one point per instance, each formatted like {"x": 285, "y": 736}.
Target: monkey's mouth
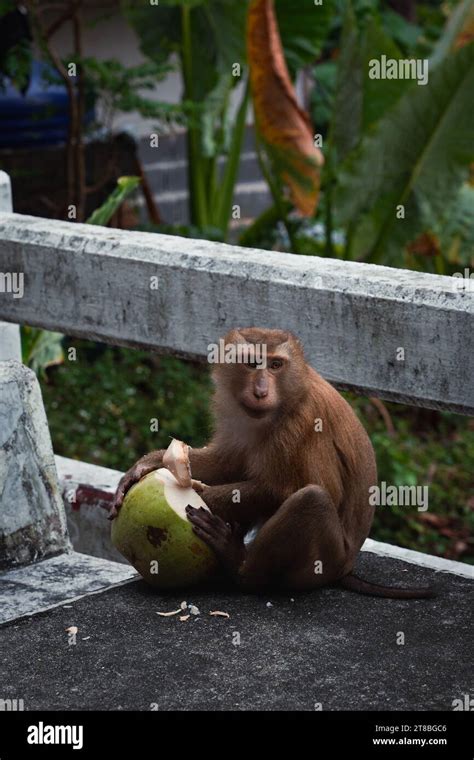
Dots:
{"x": 256, "y": 412}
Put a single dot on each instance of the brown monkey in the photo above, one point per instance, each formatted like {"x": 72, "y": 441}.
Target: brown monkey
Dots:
{"x": 289, "y": 456}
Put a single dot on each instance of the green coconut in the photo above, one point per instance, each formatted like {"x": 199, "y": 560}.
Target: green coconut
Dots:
{"x": 152, "y": 531}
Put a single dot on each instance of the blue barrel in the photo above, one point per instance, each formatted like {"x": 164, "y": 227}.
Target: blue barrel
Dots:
{"x": 41, "y": 116}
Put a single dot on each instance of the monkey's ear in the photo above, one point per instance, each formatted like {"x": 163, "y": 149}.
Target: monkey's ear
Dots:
{"x": 235, "y": 336}
{"x": 295, "y": 347}
{"x": 239, "y": 338}
{"x": 284, "y": 349}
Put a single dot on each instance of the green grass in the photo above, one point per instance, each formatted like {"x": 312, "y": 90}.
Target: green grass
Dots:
{"x": 101, "y": 408}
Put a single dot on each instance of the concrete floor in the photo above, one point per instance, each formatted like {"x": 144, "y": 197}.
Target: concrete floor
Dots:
{"x": 331, "y": 648}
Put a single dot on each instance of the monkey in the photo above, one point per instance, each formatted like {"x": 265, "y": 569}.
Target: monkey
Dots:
{"x": 289, "y": 458}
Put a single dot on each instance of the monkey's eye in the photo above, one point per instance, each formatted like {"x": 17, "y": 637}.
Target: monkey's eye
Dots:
{"x": 276, "y": 364}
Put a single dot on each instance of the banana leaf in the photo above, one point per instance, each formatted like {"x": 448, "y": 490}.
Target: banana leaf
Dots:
{"x": 414, "y": 162}
{"x": 283, "y": 126}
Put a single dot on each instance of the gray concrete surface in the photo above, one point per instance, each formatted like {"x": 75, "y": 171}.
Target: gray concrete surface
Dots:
{"x": 10, "y": 344}
{"x": 32, "y": 517}
{"x": 392, "y": 333}
{"x": 88, "y": 491}
{"x": 331, "y": 648}
{"x": 57, "y": 580}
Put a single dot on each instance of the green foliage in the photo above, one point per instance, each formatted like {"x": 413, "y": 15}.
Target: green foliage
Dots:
{"x": 41, "y": 349}
{"x": 423, "y": 173}
{"x": 391, "y": 146}
{"x": 185, "y": 230}
{"x": 99, "y": 407}
{"x": 303, "y": 31}
{"x": 455, "y": 230}
{"x": 103, "y": 214}
{"x": 208, "y": 36}
{"x": 428, "y": 449}
{"x": 213, "y": 35}
{"x": 15, "y": 59}
{"x": 462, "y": 12}
{"x": 15, "y": 65}
{"x": 121, "y": 90}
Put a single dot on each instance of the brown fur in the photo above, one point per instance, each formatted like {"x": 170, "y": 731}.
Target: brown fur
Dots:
{"x": 308, "y": 491}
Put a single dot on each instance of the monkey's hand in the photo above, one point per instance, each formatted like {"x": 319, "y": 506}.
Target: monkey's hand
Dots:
{"x": 198, "y": 486}
{"x": 146, "y": 464}
{"x": 226, "y": 540}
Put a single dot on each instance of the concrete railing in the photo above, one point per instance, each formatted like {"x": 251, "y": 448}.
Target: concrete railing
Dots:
{"x": 392, "y": 333}
{"x": 385, "y": 332}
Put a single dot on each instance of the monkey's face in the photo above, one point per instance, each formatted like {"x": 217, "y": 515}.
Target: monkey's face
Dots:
{"x": 260, "y": 394}
{"x": 265, "y": 379}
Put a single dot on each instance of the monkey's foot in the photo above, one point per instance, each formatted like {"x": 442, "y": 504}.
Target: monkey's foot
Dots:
{"x": 223, "y": 538}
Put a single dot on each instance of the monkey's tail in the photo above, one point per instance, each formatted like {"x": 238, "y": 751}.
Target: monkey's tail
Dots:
{"x": 354, "y": 583}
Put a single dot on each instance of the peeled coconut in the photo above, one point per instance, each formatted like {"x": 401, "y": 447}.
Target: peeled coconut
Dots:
{"x": 152, "y": 531}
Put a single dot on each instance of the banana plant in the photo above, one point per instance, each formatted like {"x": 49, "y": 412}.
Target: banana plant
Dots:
{"x": 397, "y": 171}
{"x": 394, "y": 187}
{"x": 208, "y": 37}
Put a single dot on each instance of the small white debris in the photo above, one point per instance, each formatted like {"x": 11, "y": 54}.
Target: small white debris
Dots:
{"x": 292, "y": 600}
{"x": 183, "y": 605}
{"x": 168, "y": 614}
{"x": 67, "y": 606}
{"x": 72, "y": 629}
{"x": 183, "y": 618}
{"x": 194, "y": 610}
{"x": 269, "y": 604}
{"x": 218, "y": 613}
{"x": 85, "y": 638}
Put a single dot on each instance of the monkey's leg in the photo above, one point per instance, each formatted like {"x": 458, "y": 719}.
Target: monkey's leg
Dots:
{"x": 301, "y": 546}
{"x": 244, "y": 503}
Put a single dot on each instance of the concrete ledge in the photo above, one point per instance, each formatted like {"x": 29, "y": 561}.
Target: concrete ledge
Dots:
{"x": 177, "y": 295}
{"x": 418, "y": 558}
{"x": 88, "y": 491}
{"x": 57, "y": 581}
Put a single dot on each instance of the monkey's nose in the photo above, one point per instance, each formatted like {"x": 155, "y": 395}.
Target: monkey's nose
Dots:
{"x": 260, "y": 392}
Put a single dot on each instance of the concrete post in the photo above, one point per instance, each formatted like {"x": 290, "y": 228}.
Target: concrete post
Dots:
{"x": 32, "y": 517}
{"x": 10, "y": 343}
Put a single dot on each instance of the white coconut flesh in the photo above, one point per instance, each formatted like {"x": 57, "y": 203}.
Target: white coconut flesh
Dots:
{"x": 176, "y": 496}
{"x": 176, "y": 460}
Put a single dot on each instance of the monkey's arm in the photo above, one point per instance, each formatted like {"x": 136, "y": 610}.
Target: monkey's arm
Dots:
{"x": 213, "y": 467}
{"x": 142, "y": 467}
{"x": 207, "y": 465}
